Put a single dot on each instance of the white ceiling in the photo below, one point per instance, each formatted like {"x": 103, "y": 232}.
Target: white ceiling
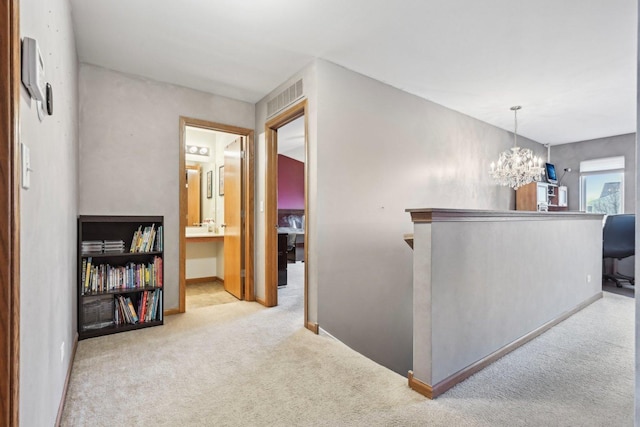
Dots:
{"x": 571, "y": 64}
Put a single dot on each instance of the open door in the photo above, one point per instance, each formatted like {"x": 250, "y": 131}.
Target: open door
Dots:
{"x": 232, "y": 189}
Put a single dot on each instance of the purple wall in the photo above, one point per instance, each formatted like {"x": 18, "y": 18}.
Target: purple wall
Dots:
{"x": 290, "y": 183}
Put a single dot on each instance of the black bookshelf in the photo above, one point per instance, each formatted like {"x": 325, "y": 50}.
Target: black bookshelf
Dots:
{"x": 109, "y": 281}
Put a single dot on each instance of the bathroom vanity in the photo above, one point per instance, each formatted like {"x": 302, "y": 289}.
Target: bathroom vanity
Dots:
{"x": 204, "y": 255}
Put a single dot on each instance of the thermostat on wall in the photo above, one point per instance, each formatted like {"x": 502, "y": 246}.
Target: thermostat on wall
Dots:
{"x": 33, "y": 69}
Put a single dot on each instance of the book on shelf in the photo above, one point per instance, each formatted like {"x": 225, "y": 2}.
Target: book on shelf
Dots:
{"x": 147, "y": 239}
{"x": 105, "y": 277}
{"x": 134, "y": 316}
{"x": 145, "y": 307}
{"x": 142, "y": 306}
{"x": 134, "y": 239}
{"x": 87, "y": 275}
{"x": 83, "y": 272}
{"x": 125, "y": 313}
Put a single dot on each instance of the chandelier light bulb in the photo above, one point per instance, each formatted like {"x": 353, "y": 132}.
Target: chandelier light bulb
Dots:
{"x": 517, "y": 166}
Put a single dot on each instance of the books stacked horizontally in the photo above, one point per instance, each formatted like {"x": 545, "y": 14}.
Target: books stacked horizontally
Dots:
{"x": 92, "y": 246}
{"x": 113, "y": 246}
{"x": 148, "y": 239}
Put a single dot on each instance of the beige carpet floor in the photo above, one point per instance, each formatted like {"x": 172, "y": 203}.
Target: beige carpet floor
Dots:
{"x": 205, "y": 294}
{"x": 240, "y": 364}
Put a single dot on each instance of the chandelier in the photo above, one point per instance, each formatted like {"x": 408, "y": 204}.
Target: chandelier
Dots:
{"x": 516, "y": 166}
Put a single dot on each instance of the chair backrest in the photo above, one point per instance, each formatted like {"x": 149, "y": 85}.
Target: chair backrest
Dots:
{"x": 619, "y": 236}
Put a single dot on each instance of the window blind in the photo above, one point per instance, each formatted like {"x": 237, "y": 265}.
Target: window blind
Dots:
{"x": 604, "y": 164}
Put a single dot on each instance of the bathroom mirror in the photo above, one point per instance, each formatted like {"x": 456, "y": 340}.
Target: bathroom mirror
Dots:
{"x": 204, "y": 158}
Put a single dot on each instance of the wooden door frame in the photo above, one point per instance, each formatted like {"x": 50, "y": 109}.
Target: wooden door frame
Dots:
{"x": 9, "y": 214}
{"x": 248, "y": 200}
{"x": 271, "y": 206}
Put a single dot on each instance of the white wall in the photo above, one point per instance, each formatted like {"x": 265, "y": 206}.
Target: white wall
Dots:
{"x": 48, "y": 213}
{"x": 201, "y": 259}
{"x": 379, "y": 152}
{"x": 129, "y": 148}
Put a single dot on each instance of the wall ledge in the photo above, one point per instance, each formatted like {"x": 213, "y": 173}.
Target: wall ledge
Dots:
{"x": 430, "y": 215}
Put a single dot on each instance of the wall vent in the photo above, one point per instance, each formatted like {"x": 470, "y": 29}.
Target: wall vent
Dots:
{"x": 285, "y": 98}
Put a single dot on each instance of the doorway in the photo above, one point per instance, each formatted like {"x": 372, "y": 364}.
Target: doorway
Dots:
{"x": 283, "y": 221}
{"x": 216, "y": 213}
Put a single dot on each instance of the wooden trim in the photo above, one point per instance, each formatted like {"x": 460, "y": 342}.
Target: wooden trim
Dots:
{"x": 203, "y": 280}
{"x": 419, "y": 386}
{"x": 462, "y": 215}
{"x": 271, "y": 204}
{"x": 313, "y": 327}
{"x": 261, "y": 301}
{"x": 172, "y": 311}
{"x": 206, "y": 124}
{"x": 66, "y": 381}
{"x": 271, "y": 219}
{"x": 248, "y": 188}
{"x": 182, "y": 218}
{"x": 9, "y": 214}
{"x": 465, "y": 373}
{"x": 249, "y": 218}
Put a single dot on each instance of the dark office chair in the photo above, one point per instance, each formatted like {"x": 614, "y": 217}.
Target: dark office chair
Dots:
{"x": 619, "y": 241}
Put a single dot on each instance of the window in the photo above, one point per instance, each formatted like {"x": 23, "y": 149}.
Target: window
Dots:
{"x": 602, "y": 185}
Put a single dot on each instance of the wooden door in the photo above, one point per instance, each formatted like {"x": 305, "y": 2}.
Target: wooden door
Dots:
{"x": 193, "y": 195}
{"x": 233, "y": 280}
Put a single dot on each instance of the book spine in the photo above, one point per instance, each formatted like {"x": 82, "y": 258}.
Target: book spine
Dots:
{"x": 87, "y": 276}
{"x": 153, "y": 240}
{"x": 154, "y": 306}
{"x": 158, "y": 266}
{"x": 143, "y": 306}
{"x": 134, "y": 239}
{"x": 149, "y": 242}
{"x": 84, "y": 274}
{"x": 134, "y": 316}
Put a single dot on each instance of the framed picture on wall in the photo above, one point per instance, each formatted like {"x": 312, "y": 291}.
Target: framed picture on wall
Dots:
{"x": 209, "y": 184}
{"x": 221, "y": 181}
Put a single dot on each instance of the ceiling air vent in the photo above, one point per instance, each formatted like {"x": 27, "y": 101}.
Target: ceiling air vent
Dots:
{"x": 285, "y": 98}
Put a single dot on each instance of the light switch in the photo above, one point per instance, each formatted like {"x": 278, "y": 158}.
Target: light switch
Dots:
{"x": 26, "y": 166}
{"x": 261, "y": 206}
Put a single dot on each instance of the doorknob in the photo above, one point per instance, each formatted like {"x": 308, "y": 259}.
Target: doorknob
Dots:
{"x": 223, "y": 225}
